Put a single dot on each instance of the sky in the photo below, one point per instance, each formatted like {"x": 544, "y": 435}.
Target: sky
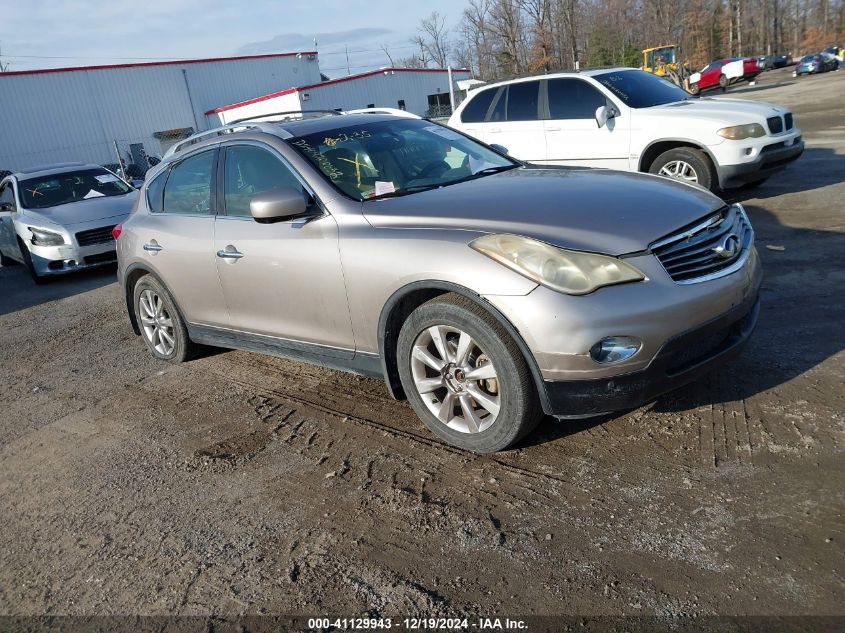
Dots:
{"x": 51, "y": 34}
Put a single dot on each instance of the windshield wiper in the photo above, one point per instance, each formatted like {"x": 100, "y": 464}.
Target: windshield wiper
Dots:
{"x": 487, "y": 171}
{"x": 406, "y": 190}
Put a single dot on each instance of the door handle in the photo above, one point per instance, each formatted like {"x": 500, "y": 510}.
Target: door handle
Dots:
{"x": 229, "y": 254}
{"x": 553, "y": 129}
{"x": 152, "y": 246}
{"x": 495, "y": 129}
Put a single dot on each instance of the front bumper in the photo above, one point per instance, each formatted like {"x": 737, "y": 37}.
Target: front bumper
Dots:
{"x": 772, "y": 158}
{"x": 60, "y": 260}
{"x": 682, "y": 360}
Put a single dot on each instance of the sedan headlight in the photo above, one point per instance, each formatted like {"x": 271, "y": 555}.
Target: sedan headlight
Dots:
{"x": 739, "y": 132}
{"x": 42, "y": 237}
{"x": 570, "y": 272}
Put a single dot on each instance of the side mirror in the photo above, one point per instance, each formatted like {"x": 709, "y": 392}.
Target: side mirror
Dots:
{"x": 604, "y": 114}
{"x": 137, "y": 182}
{"x": 277, "y": 205}
{"x": 499, "y": 148}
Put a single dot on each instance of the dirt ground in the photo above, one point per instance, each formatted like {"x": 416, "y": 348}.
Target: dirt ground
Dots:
{"x": 242, "y": 484}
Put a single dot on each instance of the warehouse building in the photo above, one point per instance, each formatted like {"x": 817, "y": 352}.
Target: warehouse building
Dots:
{"x": 422, "y": 91}
{"x": 135, "y": 111}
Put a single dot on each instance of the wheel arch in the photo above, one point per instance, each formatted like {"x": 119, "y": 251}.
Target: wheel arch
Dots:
{"x": 134, "y": 273}
{"x": 407, "y": 299}
{"x": 656, "y": 148}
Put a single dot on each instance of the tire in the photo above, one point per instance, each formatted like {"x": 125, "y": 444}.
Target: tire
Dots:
{"x": 510, "y": 396}
{"x": 162, "y": 327}
{"x": 723, "y": 81}
{"x": 694, "y": 89}
{"x": 39, "y": 280}
{"x": 700, "y": 172}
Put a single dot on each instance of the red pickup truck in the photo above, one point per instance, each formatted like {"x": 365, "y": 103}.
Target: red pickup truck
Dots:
{"x": 725, "y": 72}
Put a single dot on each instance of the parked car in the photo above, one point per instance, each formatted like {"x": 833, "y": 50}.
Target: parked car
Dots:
{"x": 484, "y": 290}
{"x": 838, "y": 52}
{"x": 632, "y": 120}
{"x": 815, "y": 63}
{"x": 766, "y": 62}
{"x": 58, "y": 218}
{"x": 722, "y": 73}
{"x": 782, "y": 61}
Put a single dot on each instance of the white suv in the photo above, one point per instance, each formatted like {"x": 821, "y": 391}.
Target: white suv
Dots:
{"x": 632, "y": 120}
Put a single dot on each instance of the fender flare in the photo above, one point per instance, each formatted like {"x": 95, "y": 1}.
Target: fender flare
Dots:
{"x": 388, "y": 357}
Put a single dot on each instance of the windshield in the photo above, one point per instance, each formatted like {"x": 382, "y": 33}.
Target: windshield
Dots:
{"x": 397, "y": 157}
{"x": 639, "y": 89}
{"x": 71, "y": 186}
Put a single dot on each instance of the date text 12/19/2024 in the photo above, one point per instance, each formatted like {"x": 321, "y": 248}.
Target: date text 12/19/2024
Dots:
{"x": 417, "y": 624}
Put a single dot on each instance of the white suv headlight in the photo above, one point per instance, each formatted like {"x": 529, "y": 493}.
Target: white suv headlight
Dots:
{"x": 739, "y": 132}
{"x": 42, "y": 237}
{"x": 570, "y": 272}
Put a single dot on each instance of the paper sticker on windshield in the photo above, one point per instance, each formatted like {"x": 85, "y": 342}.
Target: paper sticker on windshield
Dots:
{"x": 94, "y": 194}
{"x": 104, "y": 178}
{"x": 443, "y": 132}
{"x": 383, "y": 187}
{"x": 477, "y": 164}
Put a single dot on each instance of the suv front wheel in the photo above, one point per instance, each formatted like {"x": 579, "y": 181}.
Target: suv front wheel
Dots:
{"x": 688, "y": 165}
{"x": 465, "y": 376}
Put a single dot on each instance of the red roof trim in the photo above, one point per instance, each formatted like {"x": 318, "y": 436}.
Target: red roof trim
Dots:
{"x": 330, "y": 82}
{"x": 146, "y": 64}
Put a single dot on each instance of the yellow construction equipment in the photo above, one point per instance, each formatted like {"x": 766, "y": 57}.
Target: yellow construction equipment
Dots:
{"x": 660, "y": 59}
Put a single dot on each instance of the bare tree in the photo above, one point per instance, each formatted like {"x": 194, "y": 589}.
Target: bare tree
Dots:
{"x": 434, "y": 39}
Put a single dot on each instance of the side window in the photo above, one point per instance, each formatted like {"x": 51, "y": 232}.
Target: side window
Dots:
{"x": 573, "y": 99}
{"x": 7, "y": 198}
{"x": 188, "y": 189}
{"x": 523, "y": 98}
{"x": 154, "y": 192}
{"x": 249, "y": 171}
{"x": 476, "y": 109}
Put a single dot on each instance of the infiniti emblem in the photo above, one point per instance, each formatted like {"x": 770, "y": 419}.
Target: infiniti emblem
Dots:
{"x": 729, "y": 248}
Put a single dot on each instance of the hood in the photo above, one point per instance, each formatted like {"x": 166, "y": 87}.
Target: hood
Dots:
{"x": 728, "y": 111}
{"x": 84, "y": 211}
{"x": 597, "y": 210}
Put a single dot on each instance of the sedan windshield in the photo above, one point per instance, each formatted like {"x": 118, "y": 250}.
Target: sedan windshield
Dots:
{"x": 72, "y": 186}
{"x": 397, "y": 157}
{"x": 639, "y": 89}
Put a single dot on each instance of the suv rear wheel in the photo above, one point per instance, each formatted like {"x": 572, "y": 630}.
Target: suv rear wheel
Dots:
{"x": 161, "y": 325}
{"x": 465, "y": 376}
{"x": 687, "y": 165}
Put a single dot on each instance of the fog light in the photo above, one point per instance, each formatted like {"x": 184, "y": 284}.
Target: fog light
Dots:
{"x": 615, "y": 349}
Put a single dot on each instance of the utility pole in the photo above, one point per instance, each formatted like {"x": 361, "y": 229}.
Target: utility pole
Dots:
{"x": 348, "y": 72}
{"x": 3, "y": 67}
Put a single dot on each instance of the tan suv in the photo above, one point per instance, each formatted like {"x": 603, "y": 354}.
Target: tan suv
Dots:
{"x": 484, "y": 290}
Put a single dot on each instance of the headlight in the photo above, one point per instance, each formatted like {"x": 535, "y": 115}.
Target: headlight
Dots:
{"x": 41, "y": 237}
{"x": 739, "y": 132}
{"x": 570, "y": 272}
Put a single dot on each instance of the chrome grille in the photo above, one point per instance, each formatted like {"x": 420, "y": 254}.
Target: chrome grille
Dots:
{"x": 711, "y": 248}
{"x": 95, "y": 236}
{"x": 775, "y": 124}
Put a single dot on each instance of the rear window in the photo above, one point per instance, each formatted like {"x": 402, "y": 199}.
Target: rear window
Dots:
{"x": 476, "y": 109}
{"x": 155, "y": 189}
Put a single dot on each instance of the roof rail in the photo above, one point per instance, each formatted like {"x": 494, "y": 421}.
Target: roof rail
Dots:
{"x": 289, "y": 114}
{"x": 394, "y": 111}
{"x": 217, "y": 131}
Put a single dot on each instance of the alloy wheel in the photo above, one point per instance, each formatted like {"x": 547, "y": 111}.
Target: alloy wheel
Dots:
{"x": 157, "y": 323}
{"x": 455, "y": 379}
{"x": 679, "y": 170}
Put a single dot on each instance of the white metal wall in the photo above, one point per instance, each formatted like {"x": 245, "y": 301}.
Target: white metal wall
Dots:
{"x": 76, "y": 116}
{"x": 383, "y": 90}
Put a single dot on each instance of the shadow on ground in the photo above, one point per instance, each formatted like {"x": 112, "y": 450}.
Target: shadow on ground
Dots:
{"x": 18, "y": 291}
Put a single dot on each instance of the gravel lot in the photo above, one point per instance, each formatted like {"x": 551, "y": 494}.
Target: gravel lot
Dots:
{"x": 242, "y": 484}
